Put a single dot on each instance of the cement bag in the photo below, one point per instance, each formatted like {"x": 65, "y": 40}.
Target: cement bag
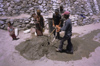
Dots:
{"x": 16, "y": 31}
{"x": 32, "y": 30}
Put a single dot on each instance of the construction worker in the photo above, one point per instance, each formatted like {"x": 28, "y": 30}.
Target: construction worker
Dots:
{"x": 68, "y": 33}
{"x": 61, "y": 10}
{"x": 56, "y": 21}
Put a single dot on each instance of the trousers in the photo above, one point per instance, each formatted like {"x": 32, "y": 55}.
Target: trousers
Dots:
{"x": 69, "y": 46}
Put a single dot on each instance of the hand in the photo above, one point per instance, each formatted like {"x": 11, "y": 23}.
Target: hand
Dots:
{"x": 53, "y": 25}
{"x": 58, "y": 28}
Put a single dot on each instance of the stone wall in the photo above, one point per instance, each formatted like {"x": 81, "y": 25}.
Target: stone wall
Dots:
{"x": 16, "y": 7}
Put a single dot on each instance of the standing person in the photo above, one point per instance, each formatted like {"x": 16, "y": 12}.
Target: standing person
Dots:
{"x": 39, "y": 23}
{"x": 56, "y": 21}
{"x": 61, "y": 10}
{"x": 68, "y": 33}
{"x": 11, "y": 30}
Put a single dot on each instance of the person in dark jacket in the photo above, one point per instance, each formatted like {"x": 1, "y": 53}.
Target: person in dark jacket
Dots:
{"x": 68, "y": 33}
{"x": 56, "y": 21}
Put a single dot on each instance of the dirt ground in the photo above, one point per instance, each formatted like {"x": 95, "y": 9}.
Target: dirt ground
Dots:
{"x": 34, "y": 53}
{"x": 37, "y": 47}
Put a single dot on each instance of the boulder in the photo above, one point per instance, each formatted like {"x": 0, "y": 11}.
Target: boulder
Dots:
{"x": 1, "y": 1}
{"x": 1, "y": 22}
{"x": 27, "y": 31}
{"x": 28, "y": 26}
{"x": 16, "y": 1}
{"x": 2, "y": 27}
{"x": 1, "y": 5}
{"x": 23, "y": 25}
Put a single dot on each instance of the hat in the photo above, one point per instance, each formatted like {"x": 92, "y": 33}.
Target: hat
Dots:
{"x": 66, "y": 13}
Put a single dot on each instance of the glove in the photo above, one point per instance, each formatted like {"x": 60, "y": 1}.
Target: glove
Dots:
{"x": 57, "y": 28}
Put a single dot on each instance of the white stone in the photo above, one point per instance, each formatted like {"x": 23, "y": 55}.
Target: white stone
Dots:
{"x": 27, "y": 31}
{"x": 40, "y": 1}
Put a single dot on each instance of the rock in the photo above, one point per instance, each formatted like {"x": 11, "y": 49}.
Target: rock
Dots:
{"x": 8, "y": 4}
{"x": 86, "y": 13}
{"x": 13, "y": 11}
{"x": 44, "y": 2}
{"x": 26, "y": 22}
{"x": 96, "y": 21}
{"x": 27, "y": 31}
{"x": 10, "y": 9}
{"x": 23, "y": 25}
{"x": 41, "y": 8}
{"x": 5, "y": 28}
{"x": 30, "y": 1}
{"x": 22, "y": 12}
{"x": 18, "y": 7}
{"x": 36, "y": 7}
{"x": 16, "y": 24}
{"x": 19, "y": 26}
{"x": 32, "y": 8}
{"x": 40, "y": 1}
{"x": 24, "y": 2}
{"x": 29, "y": 5}
{"x": 74, "y": 23}
{"x": 80, "y": 22}
{"x": 91, "y": 14}
{"x": 5, "y": 7}
{"x": 84, "y": 21}
{"x": 1, "y": 5}
{"x": 2, "y": 27}
{"x": 21, "y": 20}
{"x": 16, "y": 1}
{"x": 1, "y": 1}
{"x": 1, "y": 9}
{"x": 28, "y": 26}
{"x": 3, "y": 13}
{"x": 31, "y": 22}
{"x": 1, "y": 22}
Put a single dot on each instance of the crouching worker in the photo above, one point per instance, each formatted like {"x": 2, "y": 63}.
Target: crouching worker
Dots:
{"x": 67, "y": 27}
{"x": 11, "y": 30}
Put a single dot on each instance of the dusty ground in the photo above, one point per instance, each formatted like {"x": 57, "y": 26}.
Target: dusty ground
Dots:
{"x": 86, "y": 52}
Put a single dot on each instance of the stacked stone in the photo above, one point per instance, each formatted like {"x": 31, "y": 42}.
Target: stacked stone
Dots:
{"x": 76, "y": 7}
{"x": 16, "y": 7}
{"x": 98, "y": 2}
{"x": 3, "y": 24}
{"x": 22, "y": 24}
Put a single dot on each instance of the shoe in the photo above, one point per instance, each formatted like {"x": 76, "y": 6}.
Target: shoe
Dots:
{"x": 15, "y": 38}
{"x": 58, "y": 50}
{"x": 69, "y": 52}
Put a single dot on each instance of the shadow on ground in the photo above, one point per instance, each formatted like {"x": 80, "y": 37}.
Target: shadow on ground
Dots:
{"x": 37, "y": 47}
